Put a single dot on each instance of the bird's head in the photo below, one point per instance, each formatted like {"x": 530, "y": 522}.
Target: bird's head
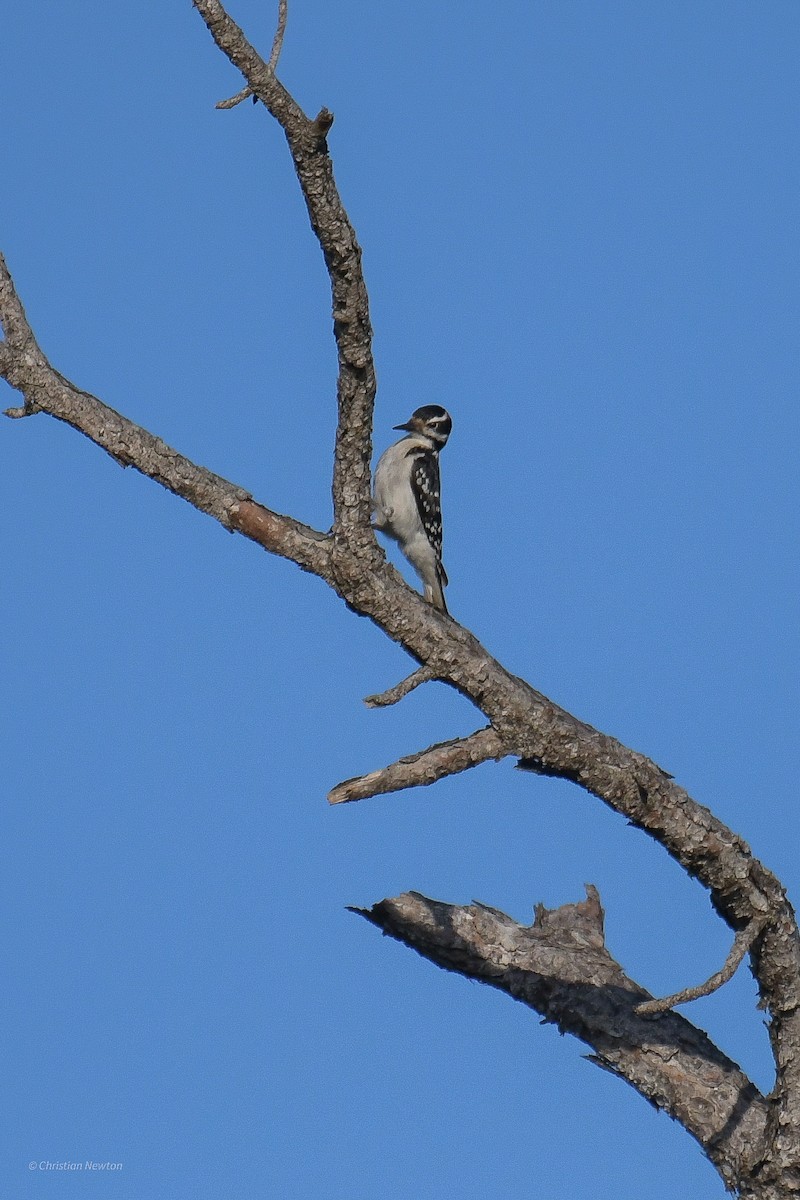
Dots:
{"x": 431, "y": 422}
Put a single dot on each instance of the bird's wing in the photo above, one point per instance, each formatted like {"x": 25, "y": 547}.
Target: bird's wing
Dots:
{"x": 426, "y": 488}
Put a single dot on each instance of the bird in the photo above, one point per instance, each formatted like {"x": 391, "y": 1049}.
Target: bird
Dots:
{"x": 406, "y": 499}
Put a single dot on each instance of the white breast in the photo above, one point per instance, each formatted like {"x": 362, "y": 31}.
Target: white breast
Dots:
{"x": 395, "y": 507}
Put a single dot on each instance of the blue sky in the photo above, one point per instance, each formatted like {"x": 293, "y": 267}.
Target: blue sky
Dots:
{"x": 580, "y": 235}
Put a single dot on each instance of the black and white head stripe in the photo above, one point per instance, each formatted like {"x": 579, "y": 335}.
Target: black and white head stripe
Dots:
{"x": 431, "y": 421}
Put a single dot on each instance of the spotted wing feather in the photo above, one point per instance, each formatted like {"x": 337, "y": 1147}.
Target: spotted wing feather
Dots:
{"x": 427, "y": 492}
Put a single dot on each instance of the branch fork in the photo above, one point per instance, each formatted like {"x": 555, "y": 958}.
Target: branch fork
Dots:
{"x": 277, "y": 46}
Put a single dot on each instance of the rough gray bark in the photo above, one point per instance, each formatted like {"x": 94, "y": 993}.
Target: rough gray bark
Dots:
{"x": 560, "y": 967}
{"x": 427, "y": 766}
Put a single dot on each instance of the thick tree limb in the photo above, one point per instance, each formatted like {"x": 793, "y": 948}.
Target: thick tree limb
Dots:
{"x": 46, "y": 390}
{"x": 423, "y": 768}
{"x": 561, "y": 968}
{"x": 351, "y": 324}
{"x": 741, "y": 944}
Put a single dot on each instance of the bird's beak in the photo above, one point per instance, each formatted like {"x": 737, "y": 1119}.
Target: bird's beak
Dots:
{"x": 408, "y": 427}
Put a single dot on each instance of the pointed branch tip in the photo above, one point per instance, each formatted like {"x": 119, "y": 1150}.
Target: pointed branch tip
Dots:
{"x": 423, "y": 768}
{"x": 400, "y": 690}
{"x": 237, "y": 99}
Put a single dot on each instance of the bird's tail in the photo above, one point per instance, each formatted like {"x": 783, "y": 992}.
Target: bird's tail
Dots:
{"x": 436, "y": 589}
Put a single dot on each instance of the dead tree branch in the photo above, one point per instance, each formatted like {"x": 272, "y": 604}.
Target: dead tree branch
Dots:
{"x": 741, "y": 944}
{"x": 275, "y": 54}
{"x": 277, "y": 43}
{"x": 524, "y": 722}
{"x": 560, "y": 967}
{"x": 394, "y": 694}
{"x": 351, "y": 324}
{"x": 232, "y": 101}
{"x": 527, "y": 724}
{"x": 423, "y": 768}
{"x": 45, "y": 390}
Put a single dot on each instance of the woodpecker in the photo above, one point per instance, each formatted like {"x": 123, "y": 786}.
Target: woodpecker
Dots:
{"x": 407, "y": 496}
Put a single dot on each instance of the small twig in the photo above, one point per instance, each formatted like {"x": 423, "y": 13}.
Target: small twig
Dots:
{"x": 418, "y": 770}
{"x": 394, "y": 694}
{"x": 277, "y": 46}
{"x": 741, "y": 944}
{"x": 277, "y": 42}
{"x": 234, "y": 100}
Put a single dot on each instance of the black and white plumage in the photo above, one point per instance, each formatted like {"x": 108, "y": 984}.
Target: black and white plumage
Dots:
{"x": 407, "y": 496}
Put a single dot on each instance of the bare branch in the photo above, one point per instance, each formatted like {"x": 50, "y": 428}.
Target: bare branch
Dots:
{"x": 529, "y": 725}
{"x": 351, "y": 323}
{"x": 400, "y": 690}
{"x": 46, "y": 390}
{"x": 277, "y": 43}
{"x": 742, "y": 889}
{"x": 272, "y": 64}
{"x": 423, "y": 768}
{"x": 741, "y": 944}
{"x": 232, "y": 101}
{"x": 561, "y": 968}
